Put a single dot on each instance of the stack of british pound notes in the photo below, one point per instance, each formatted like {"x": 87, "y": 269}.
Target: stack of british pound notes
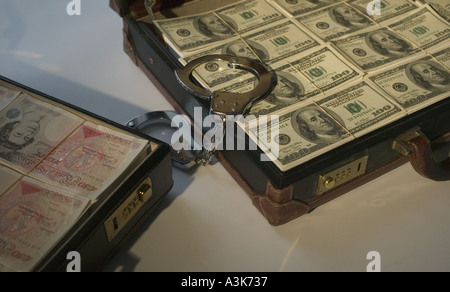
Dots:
{"x": 54, "y": 164}
{"x": 344, "y": 68}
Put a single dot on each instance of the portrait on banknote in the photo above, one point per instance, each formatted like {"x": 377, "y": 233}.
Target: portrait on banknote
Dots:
{"x": 29, "y": 129}
{"x": 212, "y": 26}
{"x": 249, "y": 49}
{"x": 292, "y": 88}
{"x": 335, "y": 21}
{"x": 348, "y": 16}
{"x": 361, "y": 108}
{"x": 19, "y": 134}
{"x": 289, "y": 90}
{"x": 318, "y": 127}
{"x": 429, "y": 75}
{"x": 416, "y": 84}
{"x": 425, "y": 28}
{"x": 388, "y": 43}
{"x": 298, "y": 7}
{"x": 301, "y": 132}
{"x": 374, "y": 50}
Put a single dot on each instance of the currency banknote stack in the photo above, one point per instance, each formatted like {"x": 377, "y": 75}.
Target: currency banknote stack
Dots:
{"x": 344, "y": 68}
{"x": 442, "y": 7}
{"x": 54, "y": 163}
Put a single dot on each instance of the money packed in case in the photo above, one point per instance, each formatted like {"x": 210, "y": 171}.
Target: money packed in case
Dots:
{"x": 360, "y": 87}
{"x": 59, "y": 166}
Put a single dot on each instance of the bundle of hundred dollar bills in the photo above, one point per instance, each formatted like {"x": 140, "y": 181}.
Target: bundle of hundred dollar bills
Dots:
{"x": 344, "y": 68}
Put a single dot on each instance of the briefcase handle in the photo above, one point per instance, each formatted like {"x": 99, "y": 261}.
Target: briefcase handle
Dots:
{"x": 419, "y": 149}
{"x": 421, "y": 157}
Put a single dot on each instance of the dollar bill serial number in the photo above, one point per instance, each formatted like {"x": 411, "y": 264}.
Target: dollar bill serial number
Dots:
{"x": 228, "y": 282}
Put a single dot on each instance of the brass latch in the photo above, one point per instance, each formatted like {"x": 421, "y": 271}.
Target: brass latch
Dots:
{"x": 342, "y": 175}
{"x": 126, "y": 211}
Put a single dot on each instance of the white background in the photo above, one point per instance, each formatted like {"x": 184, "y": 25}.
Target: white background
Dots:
{"x": 207, "y": 222}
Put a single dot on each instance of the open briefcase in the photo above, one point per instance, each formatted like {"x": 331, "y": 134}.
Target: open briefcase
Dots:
{"x": 74, "y": 187}
{"x": 411, "y": 125}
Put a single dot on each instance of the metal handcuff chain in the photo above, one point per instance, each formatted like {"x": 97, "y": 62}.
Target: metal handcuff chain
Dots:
{"x": 222, "y": 104}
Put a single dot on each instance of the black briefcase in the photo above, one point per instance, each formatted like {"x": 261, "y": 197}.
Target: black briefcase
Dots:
{"x": 106, "y": 221}
{"x": 421, "y": 137}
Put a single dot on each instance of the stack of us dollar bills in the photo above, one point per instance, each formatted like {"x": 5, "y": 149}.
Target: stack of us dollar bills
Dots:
{"x": 344, "y": 68}
{"x": 54, "y": 163}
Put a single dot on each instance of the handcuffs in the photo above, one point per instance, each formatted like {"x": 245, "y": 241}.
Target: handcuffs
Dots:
{"x": 222, "y": 104}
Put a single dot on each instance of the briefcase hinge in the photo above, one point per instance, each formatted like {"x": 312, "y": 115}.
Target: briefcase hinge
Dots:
{"x": 400, "y": 142}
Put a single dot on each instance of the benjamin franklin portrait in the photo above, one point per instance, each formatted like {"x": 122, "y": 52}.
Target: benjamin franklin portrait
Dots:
{"x": 387, "y": 43}
{"x": 289, "y": 90}
{"x": 349, "y": 17}
{"x": 429, "y": 75}
{"x": 240, "y": 49}
{"x": 317, "y": 126}
{"x": 212, "y": 26}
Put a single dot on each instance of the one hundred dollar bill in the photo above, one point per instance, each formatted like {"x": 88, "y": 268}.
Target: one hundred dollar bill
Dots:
{"x": 384, "y": 10}
{"x": 292, "y": 88}
{"x": 269, "y": 45}
{"x": 31, "y": 129}
{"x": 33, "y": 217}
{"x": 443, "y": 57}
{"x": 299, "y": 7}
{"x": 302, "y": 134}
{"x": 424, "y": 28}
{"x": 8, "y": 178}
{"x": 187, "y": 34}
{"x": 88, "y": 161}
{"x": 7, "y": 96}
{"x": 335, "y": 21}
{"x": 442, "y": 7}
{"x": 279, "y": 41}
{"x": 191, "y": 33}
{"x": 416, "y": 84}
{"x": 218, "y": 72}
{"x": 300, "y": 78}
{"x": 375, "y": 49}
{"x": 326, "y": 69}
{"x": 249, "y": 15}
{"x": 362, "y": 108}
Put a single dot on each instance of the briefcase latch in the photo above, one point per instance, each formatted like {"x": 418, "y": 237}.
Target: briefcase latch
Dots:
{"x": 128, "y": 209}
{"x": 342, "y": 175}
